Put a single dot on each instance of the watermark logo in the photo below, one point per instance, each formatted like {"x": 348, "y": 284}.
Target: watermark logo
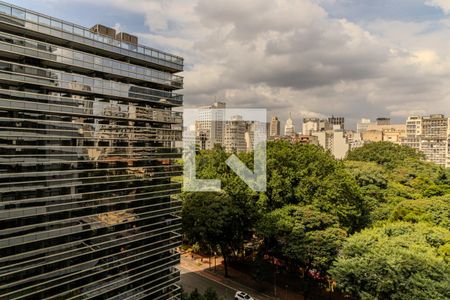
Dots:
{"x": 235, "y": 130}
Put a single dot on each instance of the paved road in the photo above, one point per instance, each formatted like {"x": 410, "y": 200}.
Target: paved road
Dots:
{"x": 191, "y": 280}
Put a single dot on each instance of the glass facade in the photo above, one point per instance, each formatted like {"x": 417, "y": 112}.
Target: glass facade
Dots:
{"x": 49, "y": 25}
{"x": 88, "y": 205}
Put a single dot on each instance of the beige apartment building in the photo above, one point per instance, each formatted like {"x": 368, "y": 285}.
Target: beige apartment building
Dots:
{"x": 300, "y": 139}
{"x": 430, "y": 135}
{"x": 275, "y": 127}
{"x": 235, "y": 135}
{"x": 289, "y": 128}
{"x": 334, "y": 140}
{"x": 372, "y": 136}
{"x": 376, "y": 132}
{"x": 210, "y": 126}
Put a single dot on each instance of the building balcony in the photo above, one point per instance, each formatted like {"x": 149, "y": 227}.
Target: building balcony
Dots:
{"x": 41, "y": 24}
{"x": 56, "y": 56}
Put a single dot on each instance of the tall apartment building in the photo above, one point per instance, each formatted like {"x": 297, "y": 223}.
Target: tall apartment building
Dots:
{"x": 87, "y": 153}
{"x": 275, "y": 127}
{"x": 430, "y": 135}
{"x": 340, "y": 121}
{"x": 235, "y": 135}
{"x": 394, "y": 133}
{"x": 362, "y": 125}
{"x": 310, "y": 125}
{"x": 300, "y": 139}
{"x": 255, "y": 132}
{"x": 289, "y": 128}
{"x": 331, "y": 123}
{"x": 210, "y": 127}
{"x": 383, "y": 121}
{"x": 354, "y": 139}
{"x": 334, "y": 140}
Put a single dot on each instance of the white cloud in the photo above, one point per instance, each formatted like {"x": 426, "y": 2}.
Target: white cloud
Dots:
{"x": 444, "y": 5}
{"x": 291, "y": 56}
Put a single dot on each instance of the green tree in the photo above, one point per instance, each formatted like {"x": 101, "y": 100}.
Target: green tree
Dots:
{"x": 308, "y": 175}
{"x": 303, "y": 236}
{"x": 212, "y": 220}
{"x": 388, "y": 174}
{"x": 210, "y": 294}
{"x": 396, "y": 261}
{"x": 195, "y": 295}
{"x": 384, "y": 153}
{"x": 434, "y": 210}
{"x": 211, "y": 164}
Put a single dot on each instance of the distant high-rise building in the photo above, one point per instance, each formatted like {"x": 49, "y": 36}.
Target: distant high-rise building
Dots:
{"x": 430, "y": 135}
{"x": 87, "y": 152}
{"x": 362, "y": 125}
{"x": 310, "y": 125}
{"x": 300, "y": 139}
{"x": 331, "y": 123}
{"x": 334, "y": 140}
{"x": 372, "y": 136}
{"x": 210, "y": 126}
{"x": 275, "y": 127}
{"x": 336, "y": 121}
{"x": 354, "y": 139}
{"x": 289, "y": 128}
{"x": 324, "y": 125}
{"x": 383, "y": 121}
{"x": 394, "y": 133}
{"x": 235, "y": 135}
{"x": 256, "y": 131}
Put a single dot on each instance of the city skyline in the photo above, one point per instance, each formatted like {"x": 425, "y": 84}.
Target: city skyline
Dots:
{"x": 390, "y": 60}
{"x": 303, "y": 163}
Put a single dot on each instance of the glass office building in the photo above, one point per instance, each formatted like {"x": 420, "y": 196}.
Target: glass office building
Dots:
{"x": 87, "y": 160}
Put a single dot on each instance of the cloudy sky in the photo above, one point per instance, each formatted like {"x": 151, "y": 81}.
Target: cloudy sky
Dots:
{"x": 352, "y": 58}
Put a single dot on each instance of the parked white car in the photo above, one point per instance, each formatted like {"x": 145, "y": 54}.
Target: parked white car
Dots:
{"x": 242, "y": 296}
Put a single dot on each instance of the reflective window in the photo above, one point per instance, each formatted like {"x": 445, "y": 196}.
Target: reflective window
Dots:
{"x": 88, "y": 58}
{"x": 98, "y": 60}
{"x": 44, "y": 21}
{"x": 67, "y": 53}
{"x": 78, "y": 55}
{"x": 31, "y": 17}
{"x": 18, "y": 13}
{"x": 68, "y": 28}
{"x": 88, "y": 34}
{"x": 119, "y": 68}
{"x": 5, "y": 9}
{"x": 56, "y": 24}
{"x": 78, "y": 30}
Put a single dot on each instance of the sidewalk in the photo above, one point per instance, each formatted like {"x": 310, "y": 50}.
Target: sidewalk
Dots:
{"x": 237, "y": 279}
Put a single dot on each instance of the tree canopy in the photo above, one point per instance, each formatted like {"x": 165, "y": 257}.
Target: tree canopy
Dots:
{"x": 396, "y": 261}
{"x": 212, "y": 220}
{"x": 303, "y": 235}
{"x": 377, "y": 223}
{"x": 384, "y": 153}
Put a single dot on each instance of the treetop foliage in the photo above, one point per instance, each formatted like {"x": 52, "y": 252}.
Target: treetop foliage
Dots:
{"x": 384, "y": 153}
{"x": 398, "y": 260}
{"x": 377, "y": 223}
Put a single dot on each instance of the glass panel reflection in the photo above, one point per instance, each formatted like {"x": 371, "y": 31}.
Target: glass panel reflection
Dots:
{"x": 88, "y": 152}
